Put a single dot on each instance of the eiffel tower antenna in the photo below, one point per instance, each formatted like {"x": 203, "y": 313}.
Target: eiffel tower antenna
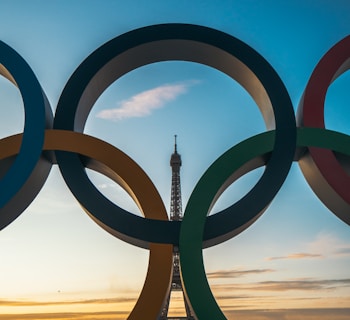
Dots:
{"x": 176, "y": 215}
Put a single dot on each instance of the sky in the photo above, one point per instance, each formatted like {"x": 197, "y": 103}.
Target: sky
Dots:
{"x": 292, "y": 263}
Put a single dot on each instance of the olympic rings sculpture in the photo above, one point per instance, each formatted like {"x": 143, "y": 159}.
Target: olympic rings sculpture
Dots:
{"x": 26, "y": 159}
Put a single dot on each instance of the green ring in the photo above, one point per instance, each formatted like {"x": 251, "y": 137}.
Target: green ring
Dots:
{"x": 192, "y": 228}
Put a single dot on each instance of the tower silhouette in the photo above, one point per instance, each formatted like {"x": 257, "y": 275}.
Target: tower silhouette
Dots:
{"x": 176, "y": 215}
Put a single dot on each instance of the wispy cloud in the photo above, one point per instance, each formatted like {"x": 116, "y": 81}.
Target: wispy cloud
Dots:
{"x": 301, "y": 255}
{"x": 143, "y": 103}
{"x": 330, "y": 246}
{"x": 287, "y": 285}
{"x": 301, "y": 285}
{"x": 322, "y": 247}
{"x": 115, "y": 315}
{"x": 293, "y": 293}
{"x": 119, "y": 313}
{"x": 106, "y": 185}
{"x": 235, "y": 273}
{"x": 290, "y": 314}
{"x": 231, "y": 312}
{"x": 21, "y": 303}
{"x": 342, "y": 251}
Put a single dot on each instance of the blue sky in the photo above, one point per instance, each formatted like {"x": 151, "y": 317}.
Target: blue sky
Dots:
{"x": 296, "y": 256}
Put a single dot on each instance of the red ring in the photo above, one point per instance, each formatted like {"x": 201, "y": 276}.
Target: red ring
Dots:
{"x": 335, "y": 180}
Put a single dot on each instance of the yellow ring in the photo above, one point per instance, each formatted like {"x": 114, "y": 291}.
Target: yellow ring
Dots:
{"x": 133, "y": 179}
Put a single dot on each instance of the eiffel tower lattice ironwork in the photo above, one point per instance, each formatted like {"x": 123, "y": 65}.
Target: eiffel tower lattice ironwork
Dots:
{"x": 176, "y": 214}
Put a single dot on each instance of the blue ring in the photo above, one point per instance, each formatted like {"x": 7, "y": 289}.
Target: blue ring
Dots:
{"x": 14, "y": 195}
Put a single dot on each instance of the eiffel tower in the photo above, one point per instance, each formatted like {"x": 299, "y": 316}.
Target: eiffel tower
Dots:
{"x": 176, "y": 215}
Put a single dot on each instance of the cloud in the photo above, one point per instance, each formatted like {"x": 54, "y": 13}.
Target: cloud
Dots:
{"x": 324, "y": 246}
{"x": 301, "y": 285}
{"x": 297, "y": 256}
{"x": 230, "y": 311}
{"x": 143, "y": 103}
{"x": 21, "y": 303}
{"x": 116, "y": 315}
{"x": 290, "y": 314}
{"x": 330, "y": 245}
{"x": 287, "y": 285}
{"x": 235, "y": 273}
{"x": 343, "y": 251}
{"x": 106, "y": 185}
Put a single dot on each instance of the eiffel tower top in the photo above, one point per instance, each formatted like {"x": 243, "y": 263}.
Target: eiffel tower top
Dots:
{"x": 175, "y": 202}
{"x": 175, "y": 160}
